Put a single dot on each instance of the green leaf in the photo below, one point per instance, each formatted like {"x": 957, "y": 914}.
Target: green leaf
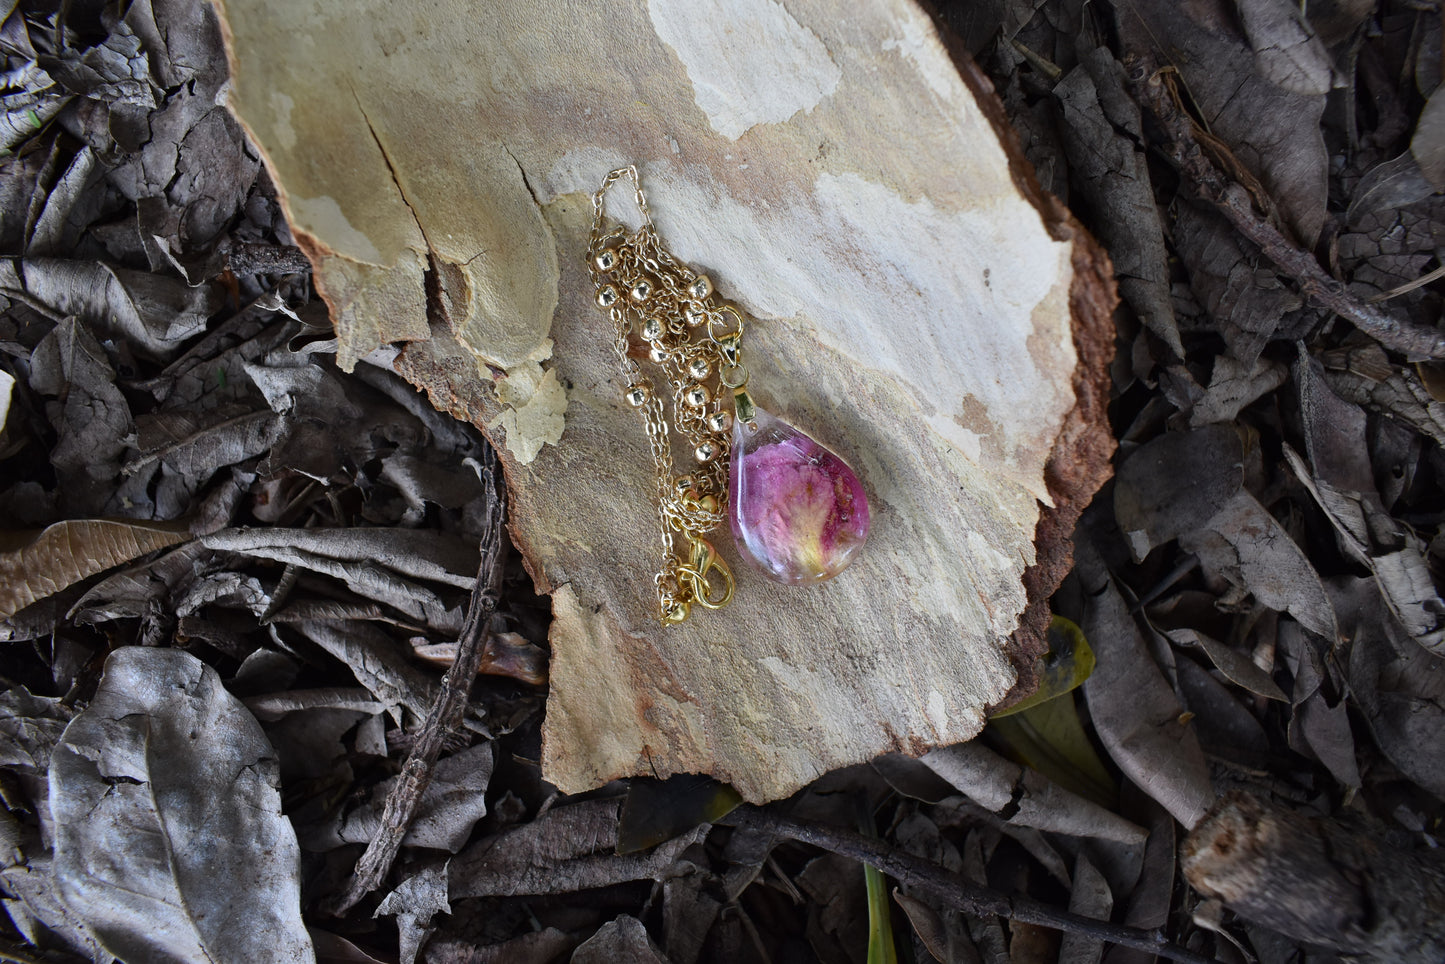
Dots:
{"x": 880, "y": 924}
{"x": 34, "y": 116}
{"x": 1064, "y": 667}
{"x": 658, "y": 810}
{"x": 1050, "y": 738}
{"x": 881, "y": 948}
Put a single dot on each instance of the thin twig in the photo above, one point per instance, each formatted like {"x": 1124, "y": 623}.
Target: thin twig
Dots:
{"x": 446, "y": 713}
{"x": 1233, "y": 201}
{"x": 956, "y": 891}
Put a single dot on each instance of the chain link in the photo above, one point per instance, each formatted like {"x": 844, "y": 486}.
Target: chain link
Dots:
{"x": 666, "y": 312}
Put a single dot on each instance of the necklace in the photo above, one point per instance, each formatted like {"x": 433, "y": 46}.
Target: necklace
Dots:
{"x": 796, "y": 510}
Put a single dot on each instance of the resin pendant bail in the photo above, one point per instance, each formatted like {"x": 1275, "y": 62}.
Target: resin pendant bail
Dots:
{"x": 797, "y": 511}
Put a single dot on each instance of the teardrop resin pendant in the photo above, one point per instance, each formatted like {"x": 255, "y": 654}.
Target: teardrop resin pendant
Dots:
{"x": 797, "y": 511}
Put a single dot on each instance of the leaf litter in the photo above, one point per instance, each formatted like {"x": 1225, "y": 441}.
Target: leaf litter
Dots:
{"x": 234, "y": 574}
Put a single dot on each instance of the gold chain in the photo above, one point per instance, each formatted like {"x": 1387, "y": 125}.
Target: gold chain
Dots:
{"x": 665, "y": 311}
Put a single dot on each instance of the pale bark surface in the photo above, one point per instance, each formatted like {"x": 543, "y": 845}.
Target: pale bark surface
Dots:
{"x": 843, "y": 185}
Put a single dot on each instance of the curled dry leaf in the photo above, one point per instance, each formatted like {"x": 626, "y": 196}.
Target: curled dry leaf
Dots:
{"x": 170, "y": 841}
{"x": 1090, "y": 897}
{"x": 1392, "y": 552}
{"x": 36, "y": 565}
{"x": 997, "y": 784}
{"x": 1320, "y": 723}
{"x": 378, "y": 563}
{"x": 376, "y": 661}
{"x": 1240, "y": 669}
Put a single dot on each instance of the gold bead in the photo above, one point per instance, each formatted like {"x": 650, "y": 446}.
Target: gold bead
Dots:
{"x": 699, "y": 368}
{"x": 706, "y": 452}
{"x": 720, "y": 421}
{"x": 606, "y": 259}
{"x": 658, "y": 354}
{"x": 694, "y": 317}
{"x": 641, "y": 291}
{"x": 607, "y": 296}
{"x": 637, "y": 395}
{"x": 697, "y": 396}
{"x": 653, "y": 329}
{"x": 700, "y": 288}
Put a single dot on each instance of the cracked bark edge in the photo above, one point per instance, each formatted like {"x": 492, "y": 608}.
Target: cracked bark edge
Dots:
{"x": 1081, "y": 459}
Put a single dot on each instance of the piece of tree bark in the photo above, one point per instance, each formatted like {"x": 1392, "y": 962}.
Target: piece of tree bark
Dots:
{"x": 1319, "y": 880}
{"x": 915, "y": 302}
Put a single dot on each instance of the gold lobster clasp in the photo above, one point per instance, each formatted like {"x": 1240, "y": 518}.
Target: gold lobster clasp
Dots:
{"x": 706, "y": 578}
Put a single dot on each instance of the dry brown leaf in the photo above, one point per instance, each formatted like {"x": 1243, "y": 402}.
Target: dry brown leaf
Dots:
{"x": 35, "y": 565}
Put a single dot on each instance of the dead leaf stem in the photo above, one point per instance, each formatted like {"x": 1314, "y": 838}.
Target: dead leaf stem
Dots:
{"x": 954, "y": 890}
{"x": 1232, "y": 200}
{"x": 446, "y": 713}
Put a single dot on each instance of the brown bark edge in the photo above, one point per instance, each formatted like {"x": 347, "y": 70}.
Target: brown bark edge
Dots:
{"x": 1080, "y": 461}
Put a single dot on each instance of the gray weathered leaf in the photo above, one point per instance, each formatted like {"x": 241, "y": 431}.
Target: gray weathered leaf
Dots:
{"x": 155, "y": 314}
{"x": 1246, "y": 299}
{"x": 1245, "y": 546}
{"x": 170, "y": 841}
{"x": 414, "y": 903}
{"x": 377, "y": 662}
{"x": 1388, "y": 185}
{"x": 1113, "y": 175}
{"x": 1395, "y": 685}
{"x": 1320, "y": 725}
{"x": 1090, "y": 897}
{"x": 1176, "y": 483}
{"x": 1394, "y": 554}
{"x": 1427, "y": 145}
{"x": 1137, "y": 716}
{"x": 624, "y": 939}
{"x": 1272, "y": 130}
{"x": 90, "y": 415}
{"x": 1287, "y": 50}
{"x": 1233, "y": 386}
{"x": 568, "y": 848}
{"x": 379, "y": 563}
{"x": 1240, "y": 669}
{"x": 453, "y": 802}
